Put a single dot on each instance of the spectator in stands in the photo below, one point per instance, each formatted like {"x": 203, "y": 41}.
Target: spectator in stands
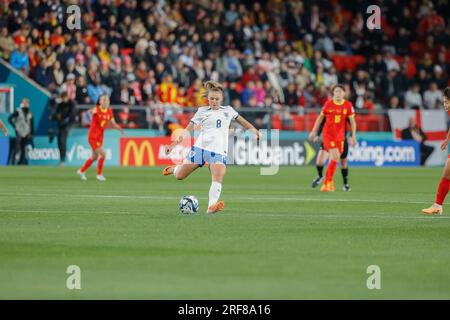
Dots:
{"x": 82, "y": 96}
{"x": 6, "y": 44}
{"x": 69, "y": 87}
{"x": 392, "y": 84}
{"x": 290, "y": 96}
{"x": 65, "y": 117}
{"x": 22, "y": 121}
{"x": 394, "y": 103}
{"x": 42, "y": 74}
{"x": 57, "y": 74}
{"x": 422, "y": 79}
{"x": 412, "y": 132}
{"x": 20, "y": 60}
{"x": 233, "y": 68}
{"x": 438, "y": 76}
{"x": 390, "y": 62}
{"x": 433, "y": 97}
{"x": 413, "y": 97}
{"x": 248, "y": 92}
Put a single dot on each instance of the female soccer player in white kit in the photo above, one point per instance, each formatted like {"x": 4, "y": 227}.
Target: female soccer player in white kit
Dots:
{"x": 211, "y": 145}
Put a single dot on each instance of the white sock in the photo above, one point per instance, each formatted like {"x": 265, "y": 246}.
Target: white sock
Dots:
{"x": 437, "y": 205}
{"x": 177, "y": 167}
{"x": 214, "y": 192}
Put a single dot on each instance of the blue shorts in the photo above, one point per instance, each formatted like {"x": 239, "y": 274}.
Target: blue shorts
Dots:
{"x": 201, "y": 156}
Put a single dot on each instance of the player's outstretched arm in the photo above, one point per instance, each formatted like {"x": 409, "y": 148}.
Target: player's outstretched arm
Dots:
{"x": 248, "y": 126}
{"x": 116, "y": 126}
{"x": 3, "y": 127}
{"x": 315, "y": 128}
{"x": 352, "y": 138}
{"x": 179, "y": 138}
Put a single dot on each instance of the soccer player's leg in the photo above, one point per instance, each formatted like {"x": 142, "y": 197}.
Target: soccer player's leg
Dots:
{"x": 344, "y": 166}
{"x": 81, "y": 172}
{"x": 218, "y": 171}
{"x": 101, "y": 154}
{"x": 322, "y": 157}
{"x": 193, "y": 161}
{"x": 443, "y": 188}
{"x": 182, "y": 171}
{"x": 334, "y": 153}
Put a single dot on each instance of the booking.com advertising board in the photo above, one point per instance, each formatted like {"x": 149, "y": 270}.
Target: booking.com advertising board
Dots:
{"x": 149, "y": 151}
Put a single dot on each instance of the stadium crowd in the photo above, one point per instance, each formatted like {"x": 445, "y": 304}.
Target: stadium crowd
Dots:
{"x": 277, "y": 54}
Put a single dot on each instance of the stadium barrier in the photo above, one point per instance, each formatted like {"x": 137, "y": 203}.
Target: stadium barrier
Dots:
{"x": 141, "y": 147}
{"x": 144, "y": 149}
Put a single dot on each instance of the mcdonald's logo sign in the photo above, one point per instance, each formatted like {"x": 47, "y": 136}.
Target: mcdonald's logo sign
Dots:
{"x": 136, "y": 152}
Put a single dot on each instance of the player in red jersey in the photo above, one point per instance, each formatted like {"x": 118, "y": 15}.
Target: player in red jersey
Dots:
{"x": 101, "y": 116}
{"x": 444, "y": 185}
{"x": 335, "y": 112}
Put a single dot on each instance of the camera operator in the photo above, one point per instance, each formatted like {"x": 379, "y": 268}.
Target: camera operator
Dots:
{"x": 65, "y": 117}
{"x": 22, "y": 121}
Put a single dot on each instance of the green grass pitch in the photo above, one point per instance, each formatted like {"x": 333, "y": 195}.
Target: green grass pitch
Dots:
{"x": 276, "y": 239}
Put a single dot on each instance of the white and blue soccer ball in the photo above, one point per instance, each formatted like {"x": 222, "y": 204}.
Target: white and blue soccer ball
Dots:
{"x": 188, "y": 205}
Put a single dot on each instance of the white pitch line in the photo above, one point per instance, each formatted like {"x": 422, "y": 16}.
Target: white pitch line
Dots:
{"x": 243, "y": 198}
{"x": 301, "y": 216}
{"x": 339, "y": 216}
{"x": 66, "y": 212}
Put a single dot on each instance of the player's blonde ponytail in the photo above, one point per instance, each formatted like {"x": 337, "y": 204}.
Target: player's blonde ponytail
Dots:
{"x": 212, "y": 86}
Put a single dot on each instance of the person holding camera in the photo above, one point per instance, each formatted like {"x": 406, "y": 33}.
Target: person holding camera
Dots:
{"x": 22, "y": 121}
{"x": 65, "y": 117}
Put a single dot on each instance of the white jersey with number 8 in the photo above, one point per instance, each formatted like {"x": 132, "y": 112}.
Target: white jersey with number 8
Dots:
{"x": 215, "y": 125}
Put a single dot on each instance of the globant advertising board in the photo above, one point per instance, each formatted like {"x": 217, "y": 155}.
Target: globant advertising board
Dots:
{"x": 303, "y": 152}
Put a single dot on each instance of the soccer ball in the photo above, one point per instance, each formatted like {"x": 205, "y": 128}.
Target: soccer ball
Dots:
{"x": 188, "y": 205}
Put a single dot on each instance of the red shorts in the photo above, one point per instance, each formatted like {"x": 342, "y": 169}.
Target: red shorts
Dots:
{"x": 332, "y": 144}
{"x": 96, "y": 143}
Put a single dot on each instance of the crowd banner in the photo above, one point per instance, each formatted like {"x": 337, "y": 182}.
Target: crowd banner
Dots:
{"x": 432, "y": 122}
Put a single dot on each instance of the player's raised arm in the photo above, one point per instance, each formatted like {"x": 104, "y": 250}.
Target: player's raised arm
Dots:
{"x": 248, "y": 126}
{"x": 316, "y": 126}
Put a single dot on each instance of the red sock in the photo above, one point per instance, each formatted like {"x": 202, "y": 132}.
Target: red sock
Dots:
{"x": 101, "y": 161}
{"x": 86, "y": 165}
{"x": 331, "y": 170}
{"x": 442, "y": 191}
